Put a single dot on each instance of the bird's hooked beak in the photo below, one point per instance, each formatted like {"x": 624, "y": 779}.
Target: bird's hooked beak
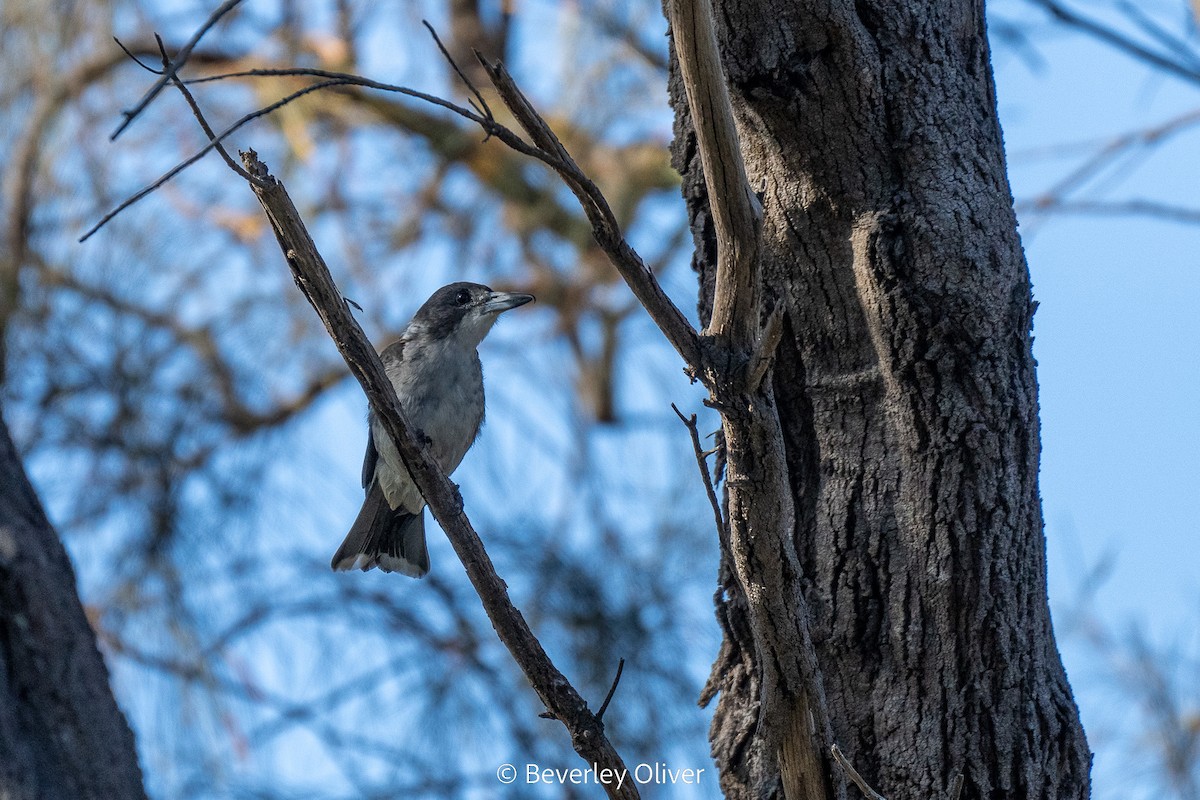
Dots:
{"x": 497, "y": 302}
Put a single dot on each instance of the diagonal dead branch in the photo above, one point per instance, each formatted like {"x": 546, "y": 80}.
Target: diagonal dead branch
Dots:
{"x": 312, "y": 276}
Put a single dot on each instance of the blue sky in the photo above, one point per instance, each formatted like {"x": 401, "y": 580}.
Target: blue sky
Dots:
{"x": 1117, "y": 332}
{"x": 1118, "y": 349}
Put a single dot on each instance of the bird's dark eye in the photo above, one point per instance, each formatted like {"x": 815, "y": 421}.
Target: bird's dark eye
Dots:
{"x": 462, "y": 298}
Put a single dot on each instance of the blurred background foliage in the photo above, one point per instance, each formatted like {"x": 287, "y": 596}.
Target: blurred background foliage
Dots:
{"x": 196, "y": 439}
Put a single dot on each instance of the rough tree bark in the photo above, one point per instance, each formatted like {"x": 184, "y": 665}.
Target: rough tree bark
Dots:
{"x": 62, "y": 736}
{"x": 906, "y": 391}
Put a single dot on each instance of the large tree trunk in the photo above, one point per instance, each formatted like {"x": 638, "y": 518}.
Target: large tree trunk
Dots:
{"x": 906, "y": 391}
{"x": 62, "y": 736}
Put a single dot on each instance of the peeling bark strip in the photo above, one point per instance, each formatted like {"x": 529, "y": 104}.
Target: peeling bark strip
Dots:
{"x": 312, "y": 276}
{"x": 62, "y": 736}
{"x": 907, "y": 399}
{"x": 793, "y": 734}
{"x": 736, "y": 216}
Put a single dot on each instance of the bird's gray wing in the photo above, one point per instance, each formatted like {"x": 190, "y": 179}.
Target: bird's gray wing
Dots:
{"x": 393, "y": 352}
{"x": 368, "y": 471}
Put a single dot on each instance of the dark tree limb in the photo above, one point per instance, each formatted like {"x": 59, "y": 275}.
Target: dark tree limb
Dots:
{"x": 62, "y": 736}
{"x": 312, "y": 276}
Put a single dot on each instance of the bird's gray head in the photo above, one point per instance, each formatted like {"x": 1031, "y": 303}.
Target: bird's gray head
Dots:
{"x": 463, "y": 311}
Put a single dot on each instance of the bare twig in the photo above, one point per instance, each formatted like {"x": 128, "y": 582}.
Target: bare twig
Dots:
{"x": 858, "y": 780}
{"x": 690, "y": 422}
{"x": 735, "y": 209}
{"x": 313, "y": 278}
{"x": 191, "y": 101}
{"x": 484, "y": 120}
{"x": 605, "y": 230}
{"x": 479, "y": 103}
{"x": 199, "y": 154}
{"x": 332, "y": 79}
{"x": 1175, "y": 44}
{"x": 1115, "y": 148}
{"x": 611, "y": 690}
{"x": 133, "y": 57}
{"x": 169, "y": 71}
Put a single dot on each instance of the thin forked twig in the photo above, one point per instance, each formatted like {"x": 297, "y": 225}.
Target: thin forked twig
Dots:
{"x": 169, "y": 71}
{"x": 331, "y": 79}
{"x": 199, "y": 154}
{"x": 702, "y": 463}
{"x": 208, "y": 131}
{"x": 137, "y": 60}
{"x": 605, "y": 228}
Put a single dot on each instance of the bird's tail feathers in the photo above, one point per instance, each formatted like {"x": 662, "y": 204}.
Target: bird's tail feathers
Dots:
{"x": 393, "y": 540}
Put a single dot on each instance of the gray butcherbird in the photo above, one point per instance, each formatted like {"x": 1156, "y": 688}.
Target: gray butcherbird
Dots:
{"x": 435, "y": 368}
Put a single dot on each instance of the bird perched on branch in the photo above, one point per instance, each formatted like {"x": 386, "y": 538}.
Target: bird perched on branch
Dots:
{"x": 435, "y": 368}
